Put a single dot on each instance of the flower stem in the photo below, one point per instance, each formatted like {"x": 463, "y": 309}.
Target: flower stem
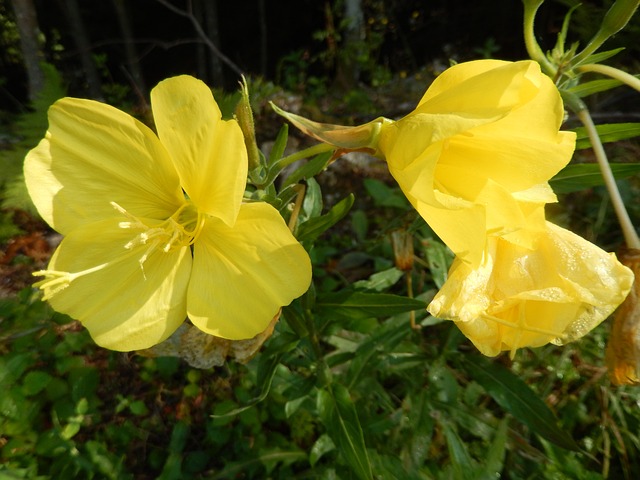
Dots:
{"x": 628, "y": 230}
{"x": 615, "y": 73}
{"x": 533, "y": 49}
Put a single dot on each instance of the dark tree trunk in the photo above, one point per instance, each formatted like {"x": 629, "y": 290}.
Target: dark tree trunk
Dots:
{"x": 81, "y": 39}
{"x": 27, "y": 22}
{"x": 348, "y": 70}
{"x": 213, "y": 32}
{"x": 132, "y": 65}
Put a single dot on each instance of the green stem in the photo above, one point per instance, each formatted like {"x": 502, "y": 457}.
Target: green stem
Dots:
{"x": 533, "y": 49}
{"x": 615, "y": 73}
{"x": 628, "y": 230}
{"x": 306, "y": 153}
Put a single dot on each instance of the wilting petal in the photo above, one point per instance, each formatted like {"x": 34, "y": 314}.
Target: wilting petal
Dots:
{"x": 243, "y": 275}
{"x": 126, "y": 301}
{"x": 361, "y": 137}
{"x": 623, "y": 347}
{"x": 526, "y": 298}
{"x": 209, "y": 153}
{"x": 94, "y": 154}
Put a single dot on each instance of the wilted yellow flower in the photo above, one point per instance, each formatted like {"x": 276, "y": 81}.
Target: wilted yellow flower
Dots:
{"x": 520, "y": 297}
{"x": 155, "y": 228}
{"x": 623, "y": 347}
{"x": 475, "y": 156}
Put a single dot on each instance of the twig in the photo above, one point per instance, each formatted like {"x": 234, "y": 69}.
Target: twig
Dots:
{"x": 199, "y": 30}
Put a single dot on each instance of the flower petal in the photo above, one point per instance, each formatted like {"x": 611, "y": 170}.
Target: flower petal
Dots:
{"x": 208, "y": 152}
{"x": 243, "y": 275}
{"x": 124, "y": 302}
{"x": 94, "y": 154}
{"x": 526, "y": 298}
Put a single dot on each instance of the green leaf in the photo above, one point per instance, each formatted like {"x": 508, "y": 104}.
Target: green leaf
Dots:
{"x": 266, "y": 371}
{"x": 35, "y": 382}
{"x": 314, "y": 227}
{"x": 608, "y": 132}
{"x": 492, "y": 466}
{"x": 439, "y": 259}
{"x": 515, "y": 396}
{"x": 576, "y": 177}
{"x": 309, "y": 169}
{"x": 602, "y": 56}
{"x": 380, "y": 280}
{"x": 339, "y": 416}
{"x": 463, "y": 466}
{"x": 312, "y": 203}
{"x": 594, "y": 86}
{"x": 323, "y": 445}
{"x": 385, "y": 196}
{"x": 364, "y": 305}
{"x": 279, "y": 145}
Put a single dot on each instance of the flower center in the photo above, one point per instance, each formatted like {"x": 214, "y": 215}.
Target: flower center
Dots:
{"x": 179, "y": 230}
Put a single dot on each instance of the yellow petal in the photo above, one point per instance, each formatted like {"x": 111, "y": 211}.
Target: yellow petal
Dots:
{"x": 243, "y": 275}
{"x": 209, "y": 153}
{"x": 94, "y": 154}
{"x": 527, "y": 298}
{"x": 126, "y": 302}
{"x": 484, "y": 94}
{"x": 457, "y": 74}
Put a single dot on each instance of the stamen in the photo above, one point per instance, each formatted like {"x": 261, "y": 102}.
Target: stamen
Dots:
{"x": 58, "y": 281}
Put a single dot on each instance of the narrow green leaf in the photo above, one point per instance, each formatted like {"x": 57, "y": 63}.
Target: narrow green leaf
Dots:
{"x": 339, "y": 415}
{"x": 460, "y": 458}
{"x": 576, "y": 177}
{"x": 363, "y": 304}
{"x": 309, "y": 169}
{"x": 608, "y": 132}
{"x": 594, "y": 86}
{"x": 515, "y": 396}
{"x": 602, "y": 56}
{"x": 314, "y": 227}
{"x": 279, "y": 145}
{"x": 266, "y": 371}
{"x": 495, "y": 456}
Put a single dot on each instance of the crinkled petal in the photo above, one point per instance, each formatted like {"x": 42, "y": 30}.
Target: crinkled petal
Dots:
{"x": 125, "y": 303}
{"x": 519, "y": 298}
{"x": 94, "y": 154}
{"x": 244, "y": 274}
{"x": 209, "y": 153}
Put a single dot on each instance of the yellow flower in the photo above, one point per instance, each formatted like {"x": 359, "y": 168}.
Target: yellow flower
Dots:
{"x": 520, "y": 298}
{"x": 475, "y": 156}
{"x": 155, "y": 228}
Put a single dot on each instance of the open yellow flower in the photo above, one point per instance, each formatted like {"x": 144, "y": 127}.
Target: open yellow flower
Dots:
{"x": 519, "y": 297}
{"x": 475, "y": 155}
{"x": 154, "y": 226}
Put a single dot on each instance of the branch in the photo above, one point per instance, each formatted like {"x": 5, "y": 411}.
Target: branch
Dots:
{"x": 199, "y": 30}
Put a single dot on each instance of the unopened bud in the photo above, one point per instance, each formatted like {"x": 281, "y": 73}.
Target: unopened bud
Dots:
{"x": 244, "y": 116}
